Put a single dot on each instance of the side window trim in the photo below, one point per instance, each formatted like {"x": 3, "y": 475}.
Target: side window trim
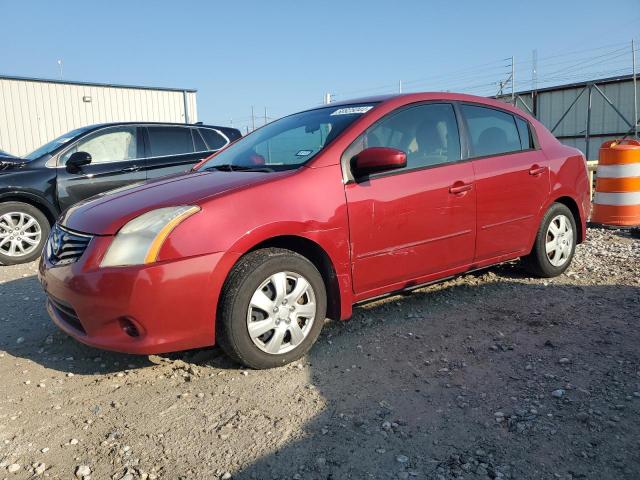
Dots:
{"x": 345, "y": 162}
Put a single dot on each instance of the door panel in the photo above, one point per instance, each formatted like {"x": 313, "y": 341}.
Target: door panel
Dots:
{"x": 115, "y": 164}
{"x": 510, "y": 191}
{"x": 410, "y": 225}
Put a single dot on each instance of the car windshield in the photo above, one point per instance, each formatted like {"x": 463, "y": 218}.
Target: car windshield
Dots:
{"x": 287, "y": 143}
{"x": 54, "y": 144}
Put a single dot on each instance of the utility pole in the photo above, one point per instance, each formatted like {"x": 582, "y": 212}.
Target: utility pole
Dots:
{"x": 513, "y": 82}
{"x": 635, "y": 88}
{"x": 399, "y": 86}
{"x": 265, "y": 115}
{"x": 253, "y": 119}
{"x": 534, "y": 83}
{"x": 60, "y": 66}
{"x": 327, "y": 98}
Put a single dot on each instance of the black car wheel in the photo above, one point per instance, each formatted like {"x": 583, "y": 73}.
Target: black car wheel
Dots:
{"x": 272, "y": 308}
{"x": 23, "y": 232}
{"x": 555, "y": 243}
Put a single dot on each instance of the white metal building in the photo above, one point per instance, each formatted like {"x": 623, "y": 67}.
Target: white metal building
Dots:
{"x": 34, "y": 111}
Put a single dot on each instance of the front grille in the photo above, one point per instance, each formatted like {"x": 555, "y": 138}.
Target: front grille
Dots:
{"x": 67, "y": 314}
{"x": 65, "y": 246}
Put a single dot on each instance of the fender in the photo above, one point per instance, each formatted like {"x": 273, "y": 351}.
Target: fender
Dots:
{"x": 32, "y": 198}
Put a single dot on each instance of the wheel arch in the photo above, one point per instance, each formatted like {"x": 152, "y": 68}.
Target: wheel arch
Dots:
{"x": 25, "y": 197}
{"x": 572, "y": 205}
{"x": 320, "y": 259}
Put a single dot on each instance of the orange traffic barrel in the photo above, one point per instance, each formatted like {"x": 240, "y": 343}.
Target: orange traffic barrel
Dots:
{"x": 617, "y": 197}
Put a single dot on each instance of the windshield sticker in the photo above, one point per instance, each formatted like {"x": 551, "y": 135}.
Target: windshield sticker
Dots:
{"x": 304, "y": 153}
{"x": 352, "y": 110}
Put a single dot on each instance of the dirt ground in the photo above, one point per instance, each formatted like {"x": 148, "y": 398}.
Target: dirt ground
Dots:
{"x": 492, "y": 375}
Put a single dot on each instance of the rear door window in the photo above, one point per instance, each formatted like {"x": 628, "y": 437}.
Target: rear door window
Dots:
{"x": 214, "y": 140}
{"x": 491, "y": 131}
{"x": 165, "y": 141}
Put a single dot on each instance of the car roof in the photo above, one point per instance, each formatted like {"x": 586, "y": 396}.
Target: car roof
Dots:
{"x": 172, "y": 124}
{"x": 408, "y": 98}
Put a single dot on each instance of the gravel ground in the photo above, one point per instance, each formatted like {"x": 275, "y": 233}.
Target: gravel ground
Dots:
{"x": 492, "y": 375}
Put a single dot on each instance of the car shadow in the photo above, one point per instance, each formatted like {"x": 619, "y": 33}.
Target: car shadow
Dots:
{"x": 412, "y": 386}
{"x": 422, "y": 387}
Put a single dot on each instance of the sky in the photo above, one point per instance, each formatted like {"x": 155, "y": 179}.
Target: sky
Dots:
{"x": 285, "y": 55}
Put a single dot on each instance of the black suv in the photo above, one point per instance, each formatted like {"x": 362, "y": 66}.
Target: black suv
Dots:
{"x": 36, "y": 188}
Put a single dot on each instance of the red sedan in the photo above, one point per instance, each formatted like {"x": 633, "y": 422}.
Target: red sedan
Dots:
{"x": 308, "y": 215}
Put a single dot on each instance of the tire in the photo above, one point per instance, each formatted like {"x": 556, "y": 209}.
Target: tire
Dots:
{"x": 15, "y": 245}
{"x": 544, "y": 265}
{"x": 288, "y": 333}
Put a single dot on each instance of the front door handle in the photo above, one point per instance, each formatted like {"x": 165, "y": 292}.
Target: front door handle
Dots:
{"x": 133, "y": 168}
{"x": 459, "y": 188}
{"x": 537, "y": 170}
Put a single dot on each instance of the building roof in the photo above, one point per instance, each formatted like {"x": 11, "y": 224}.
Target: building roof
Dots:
{"x": 94, "y": 84}
{"x": 583, "y": 83}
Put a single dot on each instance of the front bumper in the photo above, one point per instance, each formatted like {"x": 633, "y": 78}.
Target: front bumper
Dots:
{"x": 171, "y": 305}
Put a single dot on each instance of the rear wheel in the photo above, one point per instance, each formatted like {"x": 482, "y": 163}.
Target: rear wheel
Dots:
{"x": 23, "y": 232}
{"x": 555, "y": 243}
{"x": 272, "y": 308}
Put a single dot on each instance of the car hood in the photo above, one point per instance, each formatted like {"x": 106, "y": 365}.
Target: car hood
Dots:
{"x": 105, "y": 214}
{"x": 11, "y": 163}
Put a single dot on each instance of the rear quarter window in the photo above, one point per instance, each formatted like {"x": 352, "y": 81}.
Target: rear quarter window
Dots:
{"x": 526, "y": 139}
{"x": 214, "y": 140}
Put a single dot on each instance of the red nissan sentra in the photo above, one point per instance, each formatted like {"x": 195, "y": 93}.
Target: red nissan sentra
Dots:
{"x": 309, "y": 215}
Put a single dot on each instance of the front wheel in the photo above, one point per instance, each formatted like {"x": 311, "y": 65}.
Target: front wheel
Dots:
{"x": 272, "y": 308}
{"x": 555, "y": 243}
{"x": 23, "y": 232}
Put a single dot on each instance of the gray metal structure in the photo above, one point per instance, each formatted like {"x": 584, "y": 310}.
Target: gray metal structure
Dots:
{"x": 584, "y": 114}
{"x": 34, "y": 111}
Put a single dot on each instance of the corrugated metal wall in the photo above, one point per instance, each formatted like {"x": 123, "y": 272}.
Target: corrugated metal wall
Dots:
{"x": 33, "y": 112}
{"x": 606, "y": 124}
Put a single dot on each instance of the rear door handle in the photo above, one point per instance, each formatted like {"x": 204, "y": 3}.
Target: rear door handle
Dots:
{"x": 537, "y": 170}
{"x": 459, "y": 187}
{"x": 134, "y": 168}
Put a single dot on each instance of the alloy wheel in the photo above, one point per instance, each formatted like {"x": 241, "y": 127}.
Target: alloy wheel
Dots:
{"x": 20, "y": 234}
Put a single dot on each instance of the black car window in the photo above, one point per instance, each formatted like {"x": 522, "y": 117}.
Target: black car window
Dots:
{"x": 170, "y": 141}
{"x": 428, "y": 134}
{"x": 107, "y": 145}
{"x": 526, "y": 142}
{"x": 213, "y": 138}
{"x": 492, "y": 131}
{"x": 197, "y": 141}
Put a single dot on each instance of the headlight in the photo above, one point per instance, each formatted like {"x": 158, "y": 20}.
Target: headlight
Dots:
{"x": 139, "y": 241}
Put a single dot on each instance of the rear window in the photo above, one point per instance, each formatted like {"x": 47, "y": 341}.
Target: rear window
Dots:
{"x": 492, "y": 131}
{"x": 169, "y": 141}
{"x": 213, "y": 138}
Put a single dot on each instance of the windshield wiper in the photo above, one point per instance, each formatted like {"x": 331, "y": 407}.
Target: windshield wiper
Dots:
{"x": 227, "y": 167}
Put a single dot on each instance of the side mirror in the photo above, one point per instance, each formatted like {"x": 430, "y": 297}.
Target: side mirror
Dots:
{"x": 377, "y": 159}
{"x": 77, "y": 160}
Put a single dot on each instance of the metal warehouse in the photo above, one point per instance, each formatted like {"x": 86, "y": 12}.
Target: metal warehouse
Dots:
{"x": 34, "y": 111}
{"x": 585, "y": 114}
